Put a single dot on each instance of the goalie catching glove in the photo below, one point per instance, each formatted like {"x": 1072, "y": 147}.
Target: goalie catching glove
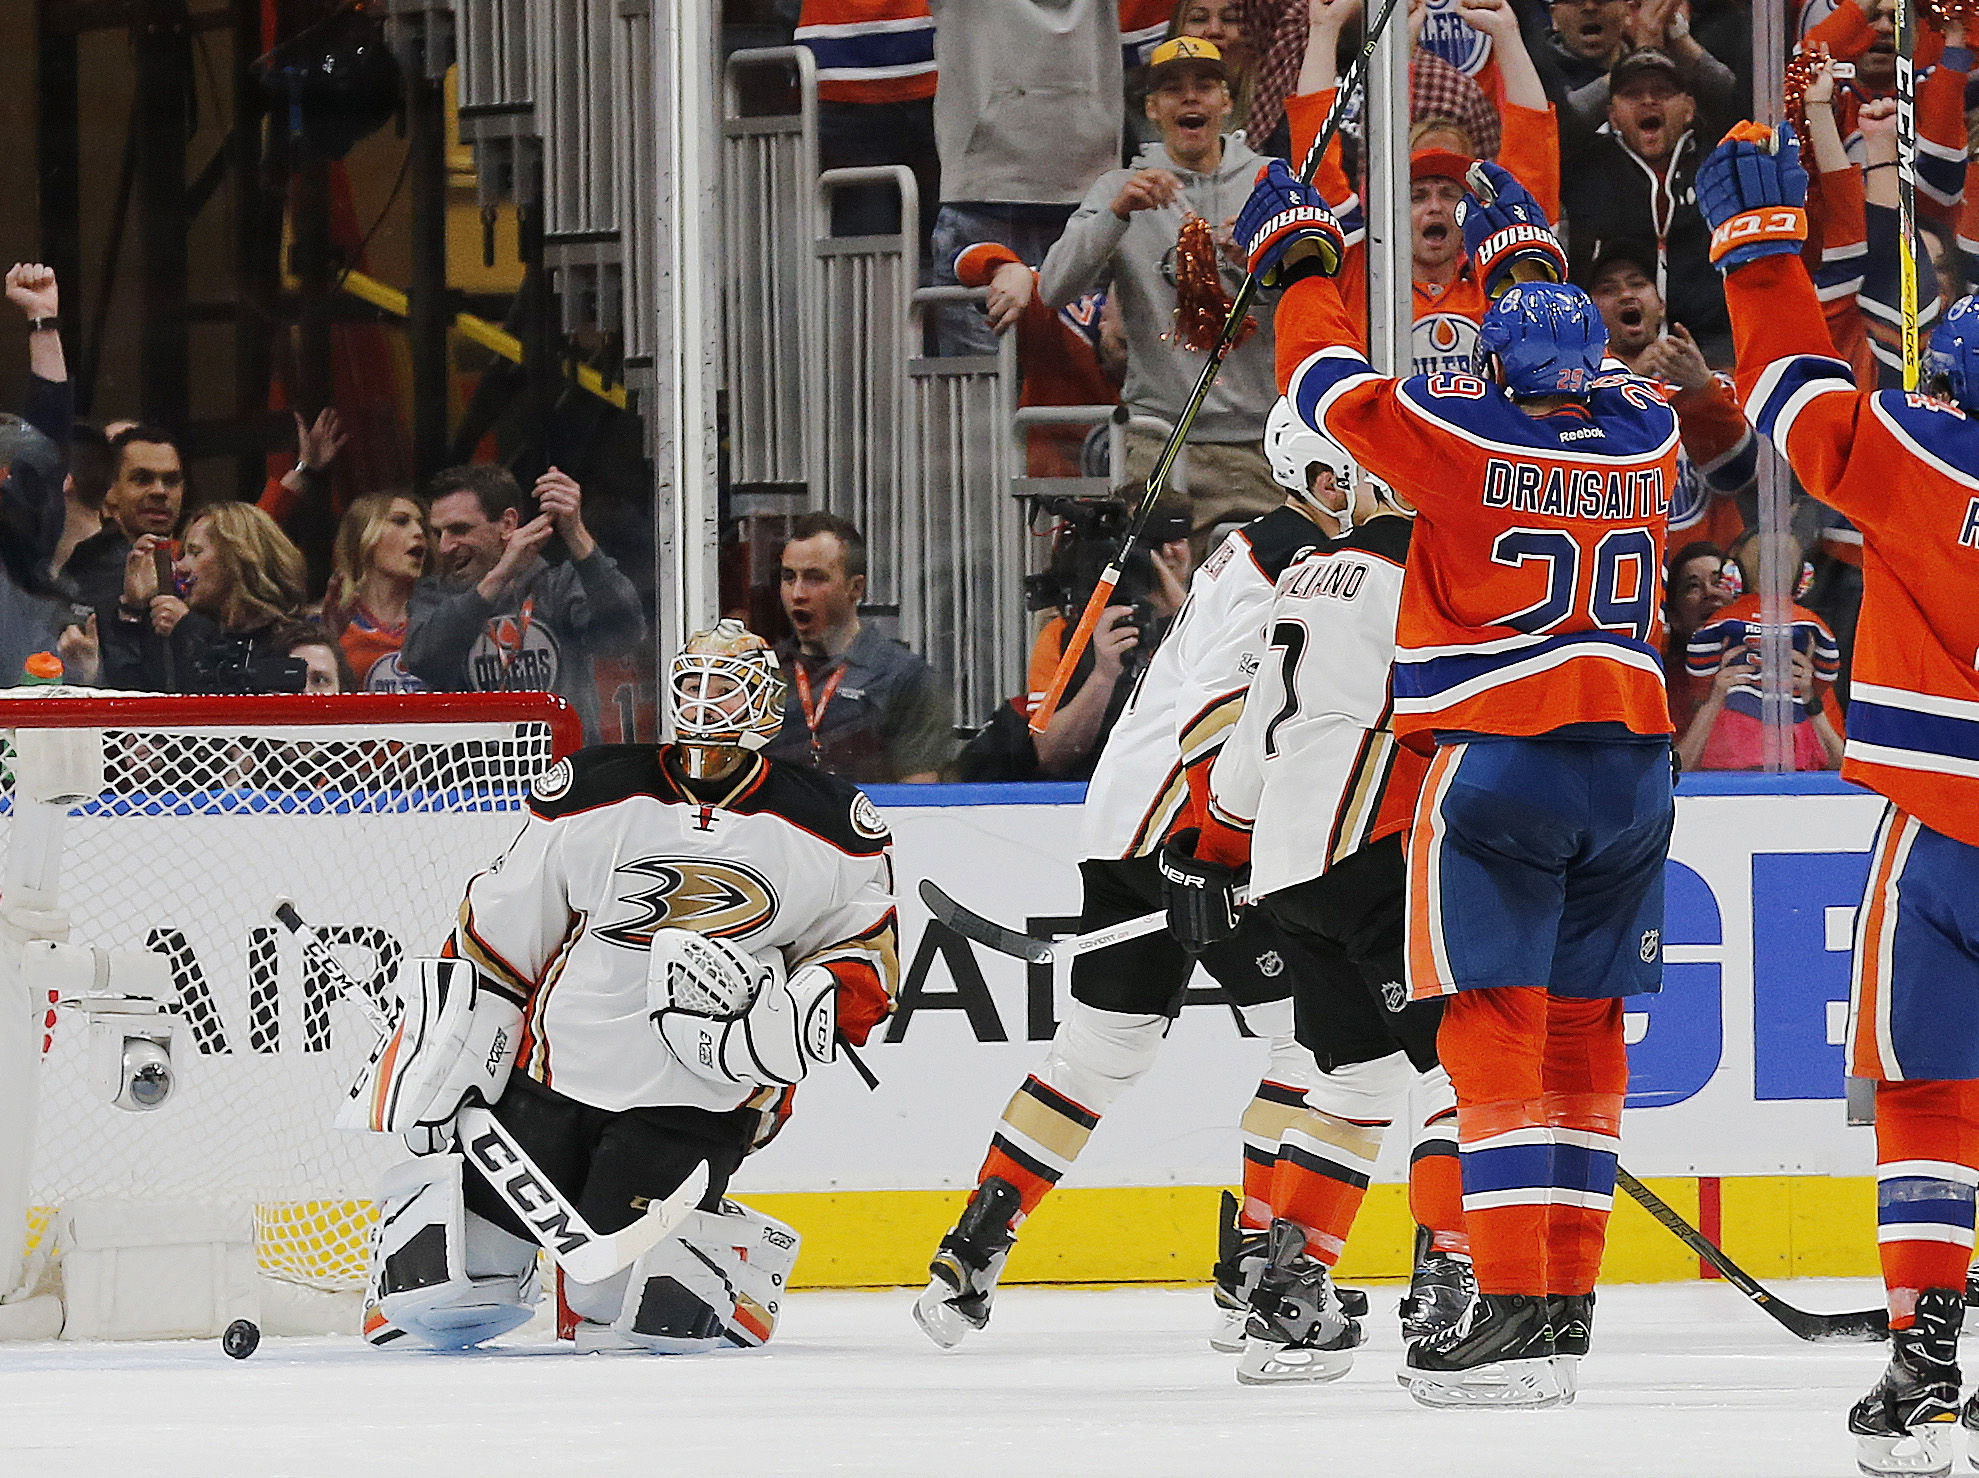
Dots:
{"x": 1287, "y": 230}
{"x": 1201, "y": 895}
{"x": 454, "y": 1036}
{"x": 1506, "y": 231}
{"x": 1752, "y": 193}
{"x": 733, "y": 1018}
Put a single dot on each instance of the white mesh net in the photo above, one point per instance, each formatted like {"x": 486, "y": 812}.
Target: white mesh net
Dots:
{"x": 373, "y": 829}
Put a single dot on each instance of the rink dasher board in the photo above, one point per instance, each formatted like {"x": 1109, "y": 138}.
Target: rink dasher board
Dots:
{"x": 1736, "y": 1068}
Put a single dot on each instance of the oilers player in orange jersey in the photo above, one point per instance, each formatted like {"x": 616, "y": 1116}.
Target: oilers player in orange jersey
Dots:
{"x": 1904, "y": 468}
{"x": 1524, "y": 660}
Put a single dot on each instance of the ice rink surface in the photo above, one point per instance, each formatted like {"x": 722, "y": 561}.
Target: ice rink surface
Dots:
{"x": 1686, "y": 1379}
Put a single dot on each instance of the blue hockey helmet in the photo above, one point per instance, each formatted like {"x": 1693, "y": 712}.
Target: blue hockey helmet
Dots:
{"x": 1953, "y": 353}
{"x": 1547, "y": 337}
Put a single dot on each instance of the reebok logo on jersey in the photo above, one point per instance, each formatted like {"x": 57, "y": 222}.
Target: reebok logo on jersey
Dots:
{"x": 1582, "y": 433}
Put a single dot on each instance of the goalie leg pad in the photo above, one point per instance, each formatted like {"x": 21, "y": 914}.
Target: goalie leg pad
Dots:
{"x": 437, "y": 1272}
{"x": 718, "y": 1282}
{"x": 1098, "y": 1055}
{"x": 454, "y": 1036}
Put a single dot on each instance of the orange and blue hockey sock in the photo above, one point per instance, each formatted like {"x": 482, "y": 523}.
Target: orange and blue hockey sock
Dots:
{"x": 1927, "y": 1168}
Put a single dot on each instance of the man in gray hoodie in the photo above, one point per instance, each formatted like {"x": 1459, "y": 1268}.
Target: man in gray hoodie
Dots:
{"x": 1126, "y": 231}
{"x": 496, "y": 617}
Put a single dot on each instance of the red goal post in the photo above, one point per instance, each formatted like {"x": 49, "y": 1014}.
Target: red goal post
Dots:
{"x": 371, "y": 811}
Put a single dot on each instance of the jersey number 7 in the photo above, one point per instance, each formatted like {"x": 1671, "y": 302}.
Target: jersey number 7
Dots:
{"x": 1620, "y": 597}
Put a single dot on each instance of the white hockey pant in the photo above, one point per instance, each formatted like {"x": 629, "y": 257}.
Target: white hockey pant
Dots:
{"x": 438, "y": 1272}
{"x": 718, "y": 1281}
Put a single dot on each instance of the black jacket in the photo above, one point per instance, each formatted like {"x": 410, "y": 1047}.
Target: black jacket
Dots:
{"x": 198, "y": 657}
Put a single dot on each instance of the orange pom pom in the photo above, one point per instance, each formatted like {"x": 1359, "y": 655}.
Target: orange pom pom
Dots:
{"x": 1201, "y": 304}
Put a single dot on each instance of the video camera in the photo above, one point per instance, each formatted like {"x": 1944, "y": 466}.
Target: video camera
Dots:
{"x": 1085, "y": 541}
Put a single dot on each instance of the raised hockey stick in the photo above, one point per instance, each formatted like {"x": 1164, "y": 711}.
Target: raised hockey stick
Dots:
{"x": 587, "y": 1255}
{"x": 1906, "y": 40}
{"x": 1862, "y": 1326}
{"x": 1157, "y": 481}
{"x": 1028, "y": 947}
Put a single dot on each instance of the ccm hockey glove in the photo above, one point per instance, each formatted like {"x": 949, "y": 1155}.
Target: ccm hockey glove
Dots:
{"x": 1287, "y": 230}
{"x": 1506, "y": 232}
{"x": 1752, "y": 193}
{"x": 1201, "y": 896}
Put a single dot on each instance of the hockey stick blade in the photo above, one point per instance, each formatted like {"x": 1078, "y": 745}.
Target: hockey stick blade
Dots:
{"x": 1863, "y": 1326}
{"x": 587, "y": 1256}
{"x": 1028, "y": 947}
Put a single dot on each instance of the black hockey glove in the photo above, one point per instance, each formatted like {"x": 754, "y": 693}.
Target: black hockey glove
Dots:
{"x": 1201, "y": 896}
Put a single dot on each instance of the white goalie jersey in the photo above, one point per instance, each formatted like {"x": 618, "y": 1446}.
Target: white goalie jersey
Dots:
{"x": 1191, "y": 691}
{"x": 1312, "y": 770}
{"x": 786, "y": 859}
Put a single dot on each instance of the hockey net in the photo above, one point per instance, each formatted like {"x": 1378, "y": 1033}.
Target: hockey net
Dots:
{"x": 371, "y": 812}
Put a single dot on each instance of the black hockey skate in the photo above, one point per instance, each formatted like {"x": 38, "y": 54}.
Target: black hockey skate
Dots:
{"x": 1240, "y": 1256}
{"x": 1571, "y": 1316}
{"x": 1499, "y": 1354}
{"x": 1440, "y": 1289}
{"x": 1297, "y": 1330}
{"x": 964, "y": 1271}
{"x": 1906, "y": 1423}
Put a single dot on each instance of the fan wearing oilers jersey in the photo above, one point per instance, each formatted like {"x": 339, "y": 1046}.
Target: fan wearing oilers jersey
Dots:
{"x": 1148, "y": 784}
{"x": 1313, "y": 793}
{"x": 1524, "y": 668}
{"x": 1904, "y": 468}
{"x": 679, "y": 935}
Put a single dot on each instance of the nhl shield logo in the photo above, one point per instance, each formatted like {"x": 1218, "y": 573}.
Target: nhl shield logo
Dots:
{"x": 1271, "y": 964}
{"x": 1652, "y": 944}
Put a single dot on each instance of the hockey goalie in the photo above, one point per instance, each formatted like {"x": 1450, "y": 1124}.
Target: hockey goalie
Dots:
{"x": 677, "y": 936}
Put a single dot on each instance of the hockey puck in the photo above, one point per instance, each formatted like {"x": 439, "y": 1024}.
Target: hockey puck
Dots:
{"x": 243, "y": 1338}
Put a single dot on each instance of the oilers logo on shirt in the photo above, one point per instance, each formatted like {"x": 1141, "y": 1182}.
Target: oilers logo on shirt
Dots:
{"x": 1443, "y": 343}
{"x": 513, "y": 654}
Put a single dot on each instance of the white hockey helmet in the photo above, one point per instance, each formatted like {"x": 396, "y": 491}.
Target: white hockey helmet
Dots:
{"x": 725, "y": 690}
{"x": 1293, "y": 448}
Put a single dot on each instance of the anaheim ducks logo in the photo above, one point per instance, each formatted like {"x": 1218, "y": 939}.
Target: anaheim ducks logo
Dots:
{"x": 1443, "y": 343}
{"x": 708, "y": 895}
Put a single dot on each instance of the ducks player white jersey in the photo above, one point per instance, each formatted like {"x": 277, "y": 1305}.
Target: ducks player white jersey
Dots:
{"x": 1191, "y": 691}
{"x": 616, "y": 847}
{"x": 1313, "y": 769}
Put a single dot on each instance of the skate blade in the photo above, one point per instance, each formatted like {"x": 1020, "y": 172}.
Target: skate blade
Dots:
{"x": 1566, "y": 1374}
{"x": 1226, "y": 1335}
{"x": 1265, "y": 1363}
{"x": 1925, "y": 1450}
{"x": 1508, "y": 1383}
{"x": 938, "y": 1317}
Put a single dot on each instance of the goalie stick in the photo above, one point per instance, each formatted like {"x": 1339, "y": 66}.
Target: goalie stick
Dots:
{"x": 587, "y": 1255}
{"x": 1157, "y": 479}
{"x": 1862, "y": 1326}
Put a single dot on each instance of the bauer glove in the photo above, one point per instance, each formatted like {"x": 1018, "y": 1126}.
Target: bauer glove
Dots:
{"x": 1201, "y": 896}
{"x": 1506, "y": 232}
{"x": 1752, "y": 193}
{"x": 1287, "y": 230}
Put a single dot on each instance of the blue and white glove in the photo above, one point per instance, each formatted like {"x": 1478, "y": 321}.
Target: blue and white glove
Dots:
{"x": 1752, "y": 192}
{"x": 1287, "y": 230}
{"x": 1506, "y": 232}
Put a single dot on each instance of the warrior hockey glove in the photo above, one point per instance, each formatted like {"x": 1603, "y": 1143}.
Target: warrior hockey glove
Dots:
{"x": 1752, "y": 192}
{"x": 1201, "y": 896}
{"x": 1287, "y": 230}
{"x": 1506, "y": 232}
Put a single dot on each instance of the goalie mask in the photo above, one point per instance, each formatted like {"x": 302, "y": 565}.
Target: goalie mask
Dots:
{"x": 725, "y": 694}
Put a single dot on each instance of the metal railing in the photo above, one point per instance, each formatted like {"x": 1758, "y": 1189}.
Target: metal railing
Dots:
{"x": 770, "y": 314}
